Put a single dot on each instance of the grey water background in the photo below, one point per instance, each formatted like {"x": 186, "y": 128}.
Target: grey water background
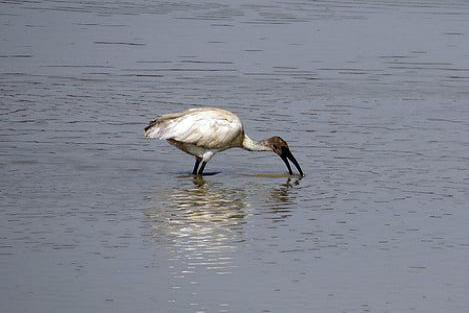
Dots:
{"x": 372, "y": 96}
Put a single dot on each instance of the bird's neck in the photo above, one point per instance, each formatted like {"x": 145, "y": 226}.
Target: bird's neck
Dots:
{"x": 252, "y": 145}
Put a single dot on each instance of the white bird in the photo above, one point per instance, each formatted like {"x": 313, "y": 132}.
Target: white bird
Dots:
{"x": 202, "y": 132}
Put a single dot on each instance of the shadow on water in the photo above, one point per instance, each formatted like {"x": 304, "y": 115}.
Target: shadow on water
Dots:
{"x": 185, "y": 175}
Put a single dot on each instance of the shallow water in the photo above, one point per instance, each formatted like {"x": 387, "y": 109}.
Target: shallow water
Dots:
{"x": 371, "y": 96}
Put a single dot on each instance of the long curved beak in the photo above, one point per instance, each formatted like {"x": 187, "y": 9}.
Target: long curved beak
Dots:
{"x": 287, "y": 155}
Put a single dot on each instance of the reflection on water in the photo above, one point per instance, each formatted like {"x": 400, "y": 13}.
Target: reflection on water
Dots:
{"x": 203, "y": 222}
{"x": 207, "y": 228}
{"x": 281, "y": 199}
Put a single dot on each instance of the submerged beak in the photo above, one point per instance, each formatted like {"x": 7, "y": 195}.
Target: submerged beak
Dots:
{"x": 287, "y": 155}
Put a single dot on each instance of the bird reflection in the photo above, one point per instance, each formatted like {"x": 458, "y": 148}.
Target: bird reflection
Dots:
{"x": 203, "y": 223}
{"x": 199, "y": 230}
{"x": 282, "y": 199}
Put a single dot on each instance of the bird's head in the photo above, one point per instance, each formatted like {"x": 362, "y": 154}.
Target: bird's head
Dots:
{"x": 280, "y": 147}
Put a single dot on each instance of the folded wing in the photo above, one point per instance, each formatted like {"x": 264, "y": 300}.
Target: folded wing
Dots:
{"x": 208, "y": 128}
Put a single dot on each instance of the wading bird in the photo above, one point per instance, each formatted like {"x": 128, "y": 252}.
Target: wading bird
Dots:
{"x": 202, "y": 132}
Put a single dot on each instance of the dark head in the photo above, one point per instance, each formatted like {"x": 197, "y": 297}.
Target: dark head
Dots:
{"x": 280, "y": 147}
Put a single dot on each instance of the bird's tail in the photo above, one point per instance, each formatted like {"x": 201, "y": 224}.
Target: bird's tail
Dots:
{"x": 157, "y": 128}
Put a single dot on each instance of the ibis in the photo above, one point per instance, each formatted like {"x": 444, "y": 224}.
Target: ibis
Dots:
{"x": 203, "y": 132}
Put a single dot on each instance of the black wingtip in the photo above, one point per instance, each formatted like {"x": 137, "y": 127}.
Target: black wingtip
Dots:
{"x": 151, "y": 124}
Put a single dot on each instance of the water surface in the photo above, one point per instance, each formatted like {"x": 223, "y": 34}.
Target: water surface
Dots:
{"x": 371, "y": 96}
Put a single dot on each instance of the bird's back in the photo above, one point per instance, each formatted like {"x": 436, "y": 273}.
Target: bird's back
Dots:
{"x": 211, "y": 128}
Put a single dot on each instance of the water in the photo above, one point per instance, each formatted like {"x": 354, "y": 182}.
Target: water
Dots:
{"x": 371, "y": 96}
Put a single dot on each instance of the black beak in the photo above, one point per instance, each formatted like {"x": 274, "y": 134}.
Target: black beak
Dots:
{"x": 287, "y": 155}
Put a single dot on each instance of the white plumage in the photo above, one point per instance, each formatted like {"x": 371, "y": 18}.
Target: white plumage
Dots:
{"x": 211, "y": 128}
{"x": 202, "y": 132}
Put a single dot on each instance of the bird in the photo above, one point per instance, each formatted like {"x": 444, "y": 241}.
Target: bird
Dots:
{"x": 205, "y": 131}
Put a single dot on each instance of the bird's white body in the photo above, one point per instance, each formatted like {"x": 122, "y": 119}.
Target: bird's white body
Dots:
{"x": 202, "y": 132}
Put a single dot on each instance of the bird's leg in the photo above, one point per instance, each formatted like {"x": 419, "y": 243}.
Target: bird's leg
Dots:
{"x": 196, "y": 166}
{"x": 201, "y": 169}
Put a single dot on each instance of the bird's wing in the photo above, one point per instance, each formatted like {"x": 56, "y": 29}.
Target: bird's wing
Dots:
{"x": 208, "y": 129}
